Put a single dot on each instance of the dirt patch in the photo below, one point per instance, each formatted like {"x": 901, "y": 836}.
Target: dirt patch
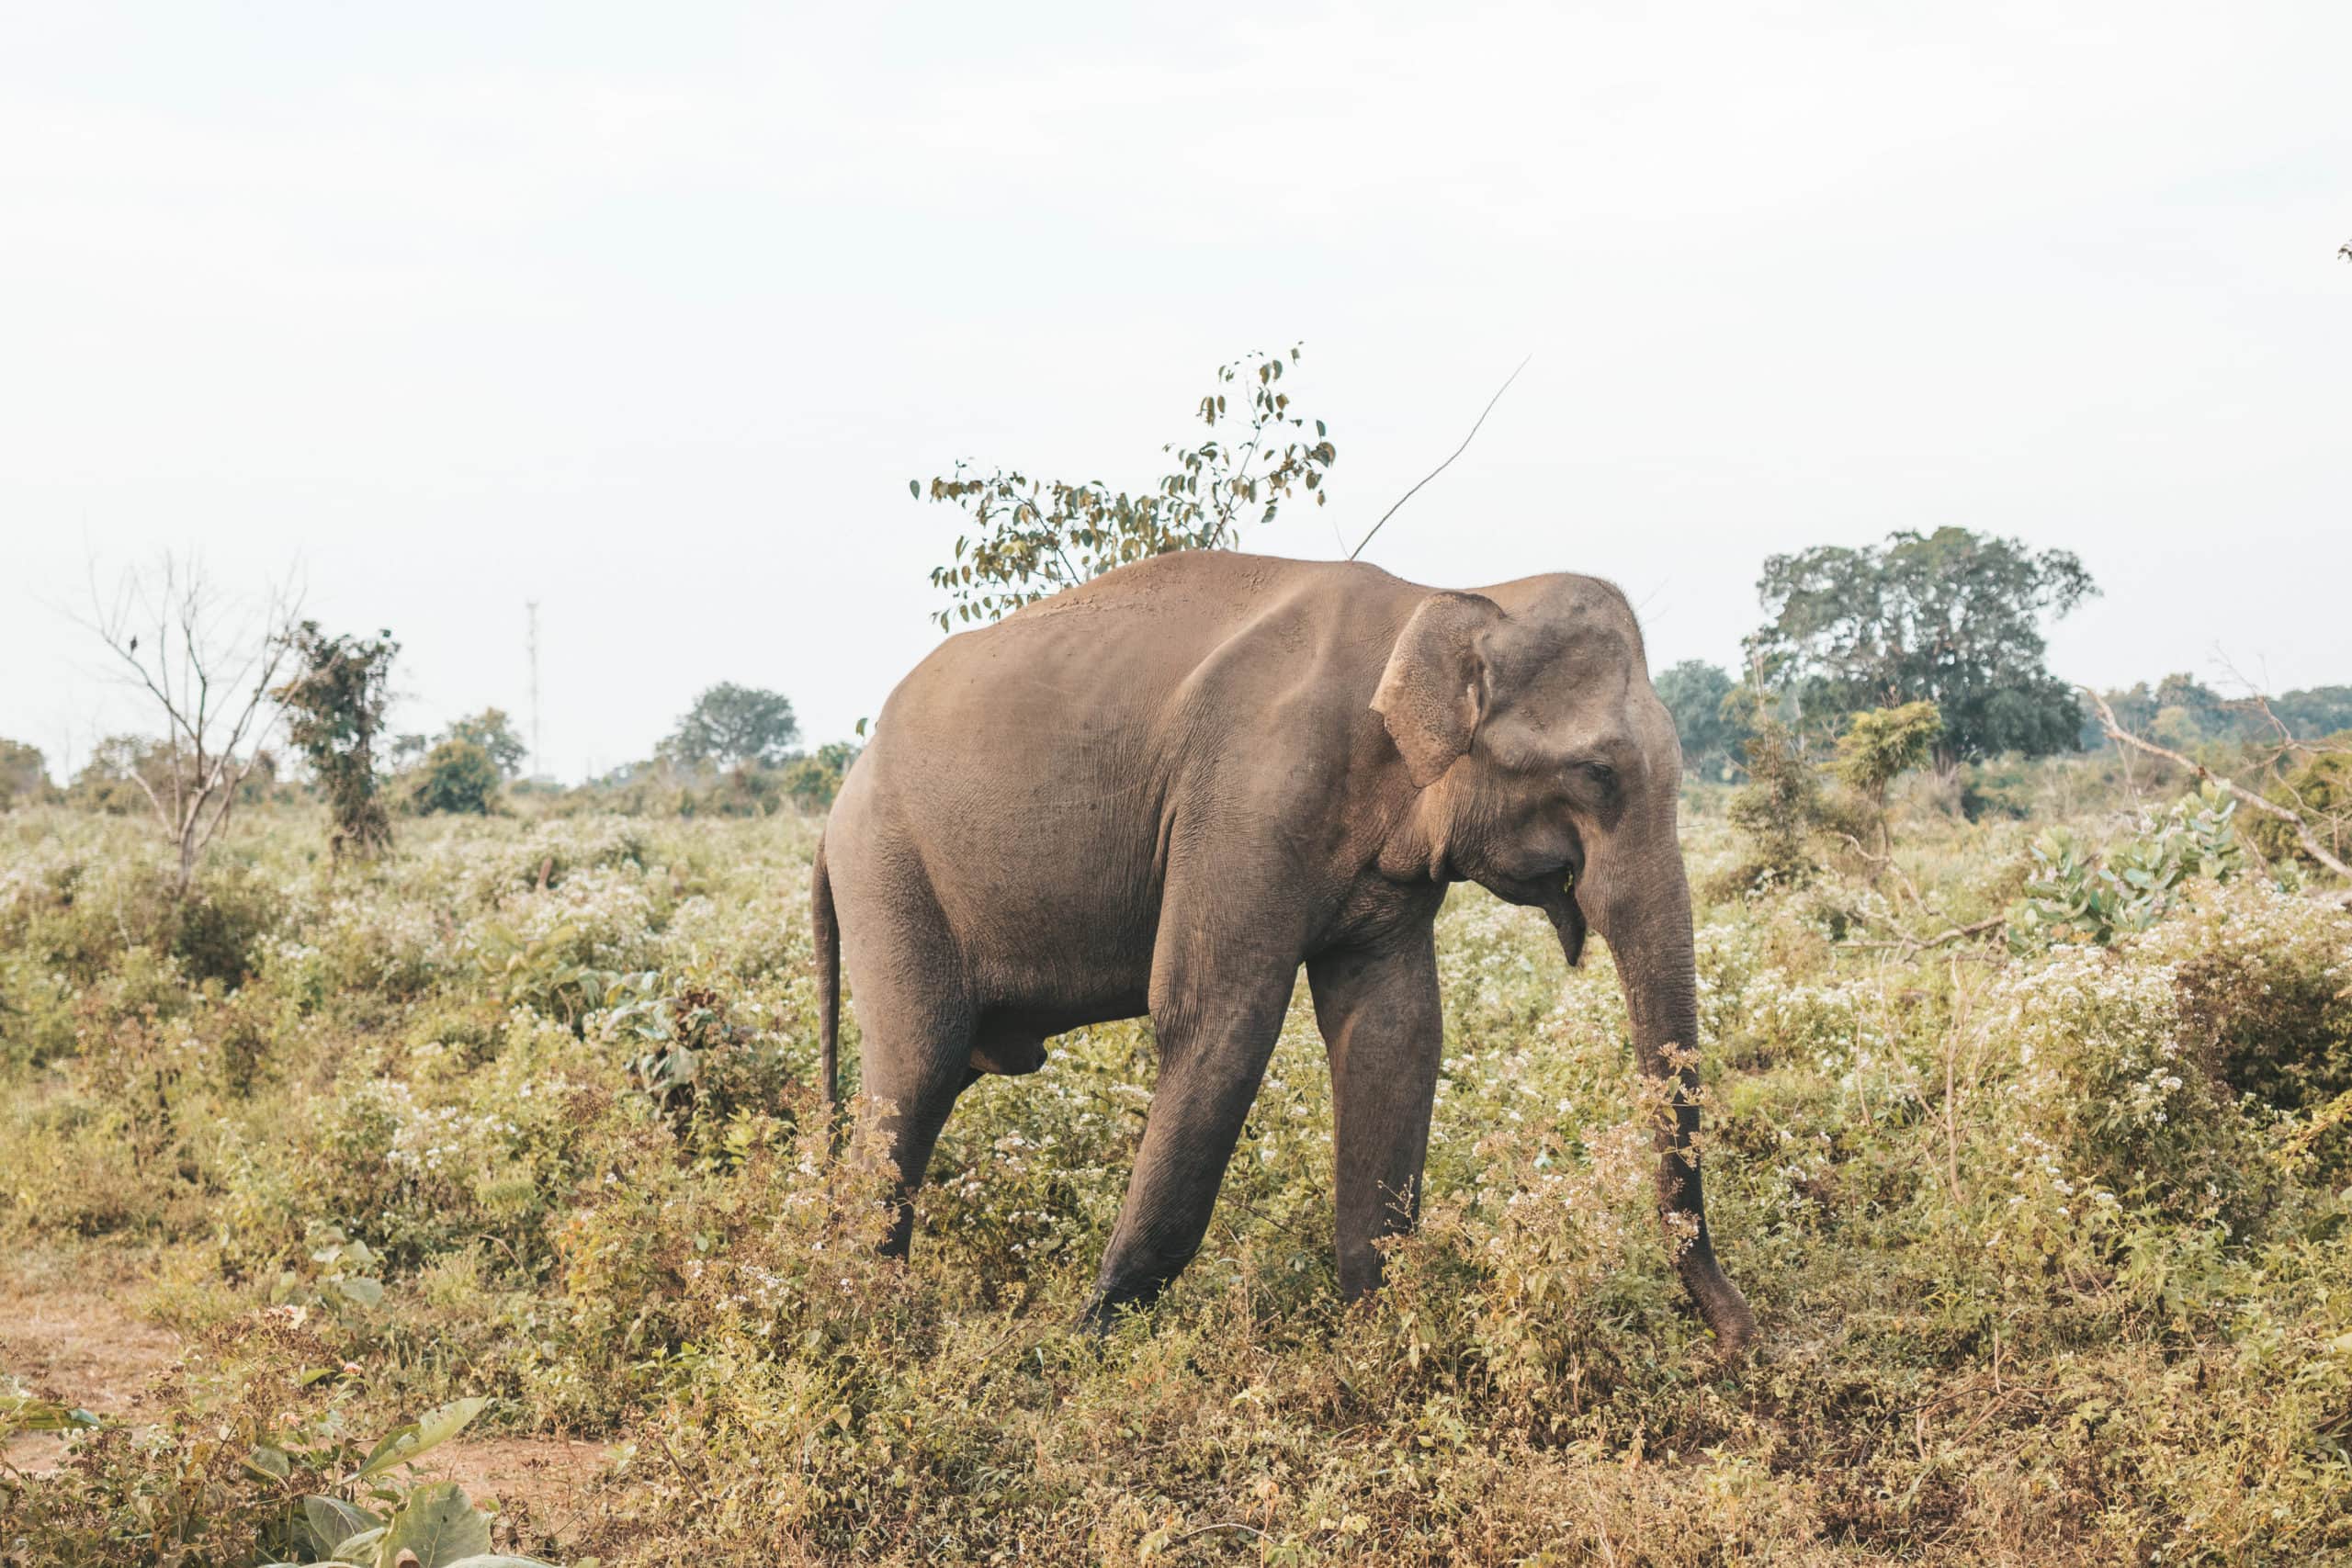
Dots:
{"x": 539, "y": 1483}
{"x": 70, "y": 1331}
{"x": 71, "y": 1336}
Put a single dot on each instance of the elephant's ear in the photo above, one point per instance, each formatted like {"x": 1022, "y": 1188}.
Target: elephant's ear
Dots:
{"x": 1434, "y": 690}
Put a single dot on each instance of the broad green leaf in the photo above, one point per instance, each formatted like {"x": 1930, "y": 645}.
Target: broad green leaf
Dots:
{"x": 439, "y": 1526}
{"x": 334, "y": 1521}
{"x": 390, "y": 1449}
{"x": 22, "y": 1413}
{"x": 443, "y": 1422}
{"x": 270, "y": 1461}
{"x": 366, "y": 1293}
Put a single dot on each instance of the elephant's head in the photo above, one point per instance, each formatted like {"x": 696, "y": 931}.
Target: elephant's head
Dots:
{"x": 1547, "y": 770}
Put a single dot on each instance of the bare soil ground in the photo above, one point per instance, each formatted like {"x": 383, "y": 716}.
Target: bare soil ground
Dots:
{"x": 71, "y": 1336}
{"x": 72, "y": 1331}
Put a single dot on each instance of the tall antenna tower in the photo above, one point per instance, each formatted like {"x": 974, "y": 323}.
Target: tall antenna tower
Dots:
{"x": 538, "y": 764}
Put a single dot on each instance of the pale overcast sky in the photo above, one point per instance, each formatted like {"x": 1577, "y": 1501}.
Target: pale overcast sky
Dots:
{"x": 649, "y": 313}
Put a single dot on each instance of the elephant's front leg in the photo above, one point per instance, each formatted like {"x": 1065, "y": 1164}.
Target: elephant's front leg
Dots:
{"x": 1216, "y": 1024}
{"x": 1378, "y": 1010}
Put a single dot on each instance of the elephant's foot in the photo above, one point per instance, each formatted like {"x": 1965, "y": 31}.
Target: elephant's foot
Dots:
{"x": 1724, "y": 1310}
{"x": 1109, "y": 1304}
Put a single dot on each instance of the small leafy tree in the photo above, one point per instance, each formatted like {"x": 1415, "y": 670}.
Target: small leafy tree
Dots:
{"x": 1778, "y": 807}
{"x": 492, "y": 731}
{"x": 457, "y": 776}
{"x": 1881, "y": 745}
{"x": 1033, "y": 537}
{"x": 334, "y": 707}
{"x": 24, "y": 772}
{"x": 733, "y": 727}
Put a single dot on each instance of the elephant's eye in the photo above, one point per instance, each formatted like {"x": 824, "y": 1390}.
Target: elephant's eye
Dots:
{"x": 1594, "y": 783}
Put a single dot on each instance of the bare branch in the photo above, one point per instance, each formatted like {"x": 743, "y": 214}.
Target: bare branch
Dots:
{"x": 1921, "y": 945}
{"x": 2303, "y": 834}
{"x": 1220, "y": 1525}
{"x": 1447, "y": 463}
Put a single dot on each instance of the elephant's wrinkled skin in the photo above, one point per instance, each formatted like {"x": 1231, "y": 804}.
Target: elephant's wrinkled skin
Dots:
{"x": 1164, "y": 790}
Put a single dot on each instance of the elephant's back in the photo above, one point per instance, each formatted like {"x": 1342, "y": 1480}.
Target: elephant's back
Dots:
{"x": 1033, "y": 767}
{"x": 1087, "y": 683}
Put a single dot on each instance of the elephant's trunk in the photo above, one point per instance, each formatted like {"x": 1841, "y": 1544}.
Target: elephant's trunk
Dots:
{"x": 1646, "y": 915}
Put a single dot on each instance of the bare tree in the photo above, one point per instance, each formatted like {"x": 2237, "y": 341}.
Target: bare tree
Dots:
{"x": 208, "y": 662}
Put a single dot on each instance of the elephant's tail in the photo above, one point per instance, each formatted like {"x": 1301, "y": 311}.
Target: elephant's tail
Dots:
{"x": 827, "y": 932}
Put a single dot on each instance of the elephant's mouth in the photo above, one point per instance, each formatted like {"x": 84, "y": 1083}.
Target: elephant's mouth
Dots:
{"x": 1567, "y": 920}
{"x": 1555, "y": 893}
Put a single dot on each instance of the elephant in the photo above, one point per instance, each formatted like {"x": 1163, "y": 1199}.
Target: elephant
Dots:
{"x": 1163, "y": 791}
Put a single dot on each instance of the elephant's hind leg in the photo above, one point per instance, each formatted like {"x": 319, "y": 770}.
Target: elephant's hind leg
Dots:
{"x": 912, "y": 1081}
{"x": 916, "y": 1028}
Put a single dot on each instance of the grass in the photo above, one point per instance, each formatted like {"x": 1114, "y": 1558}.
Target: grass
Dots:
{"x": 2050, "y": 1246}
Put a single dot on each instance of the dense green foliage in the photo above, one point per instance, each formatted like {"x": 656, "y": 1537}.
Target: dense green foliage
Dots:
{"x": 456, "y": 775}
{"x": 1698, "y": 695}
{"x": 111, "y": 779}
{"x": 1880, "y": 745}
{"x": 2316, "y": 787}
{"x": 334, "y": 706}
{"x": 1779, "y": 808}
{"x": 1032, "y": 537}
{"x": 807, "y": 782}
{"x": 2049, "y": 1241}
{"x": 2185, "y": 713}
{"x": 1952, "y": 617}
{"x": 812, "y": 781}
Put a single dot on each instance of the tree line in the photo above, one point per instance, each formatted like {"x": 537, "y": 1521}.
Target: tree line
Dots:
{"x": 220, "y": 678}
{"x": 1927, "y": 649}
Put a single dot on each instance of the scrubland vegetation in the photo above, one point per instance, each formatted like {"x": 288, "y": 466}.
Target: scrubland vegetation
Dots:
{"x": 2031, "y": 1146}
{"x": 436, "y": 1113}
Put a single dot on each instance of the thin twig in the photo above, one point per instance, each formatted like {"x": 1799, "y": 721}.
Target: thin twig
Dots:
{"x": 1887, "y": 860}
{"x": 1952, "y": 1090}
{"x": 1448, "y": 463}
{"x": 1920, "y": 944}
{"x": 1600, "y": 1531}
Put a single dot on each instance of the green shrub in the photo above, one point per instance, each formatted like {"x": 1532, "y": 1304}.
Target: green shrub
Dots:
{"x": 2319, "y": 790}
{"x": 2266, "y": 982}
{"x": 1777, "y": 808}
{"x": 456, "y": 776}
{"x": 2072, "y": 897}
